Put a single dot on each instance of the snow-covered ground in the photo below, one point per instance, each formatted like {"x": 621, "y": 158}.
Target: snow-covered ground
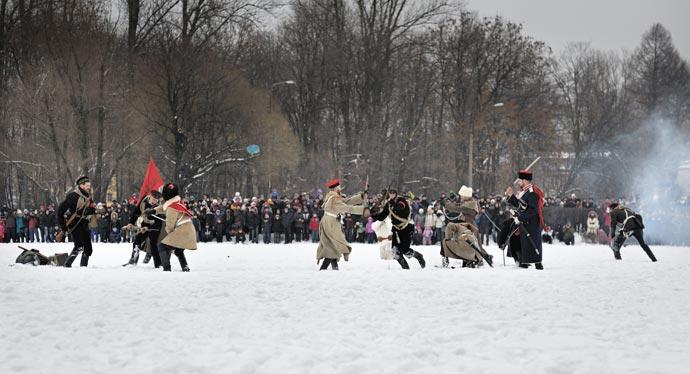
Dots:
{"x": 266, "y": 309}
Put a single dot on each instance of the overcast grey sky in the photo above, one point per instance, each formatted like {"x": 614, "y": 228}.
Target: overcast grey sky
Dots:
{"x": 607, "y": 24}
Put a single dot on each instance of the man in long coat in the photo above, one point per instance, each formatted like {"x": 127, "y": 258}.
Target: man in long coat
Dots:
{"x": 332, "y": 242}
{"x": 529, "y": 202}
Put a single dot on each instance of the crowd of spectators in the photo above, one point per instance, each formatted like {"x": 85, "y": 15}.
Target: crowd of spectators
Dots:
{"x": 285, "y": 219}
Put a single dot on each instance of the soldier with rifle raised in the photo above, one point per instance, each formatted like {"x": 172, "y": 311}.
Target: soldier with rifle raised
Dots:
{"x": 79, "y": 205}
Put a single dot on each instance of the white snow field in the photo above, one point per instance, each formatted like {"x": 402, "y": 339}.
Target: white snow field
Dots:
{"x": 266, "y": 309}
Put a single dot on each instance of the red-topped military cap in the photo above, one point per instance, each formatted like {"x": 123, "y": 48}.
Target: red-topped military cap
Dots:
{"x": 334, "y": 183}
{"x": 525, "y": 174}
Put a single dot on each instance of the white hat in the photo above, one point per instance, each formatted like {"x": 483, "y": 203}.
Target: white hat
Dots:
{"x": 465, "y": 191}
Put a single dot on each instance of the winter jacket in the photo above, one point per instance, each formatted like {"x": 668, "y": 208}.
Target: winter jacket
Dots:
{"x": 592, "y": 225}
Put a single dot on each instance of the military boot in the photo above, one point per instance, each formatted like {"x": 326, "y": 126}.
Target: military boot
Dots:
{"x": 84, "y": 260}
{"x": 72, "y": 256}
{"x": 325, "y": 263}
{"x": 419, "y": 258}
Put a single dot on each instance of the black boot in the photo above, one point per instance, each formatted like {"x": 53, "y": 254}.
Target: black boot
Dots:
{"x": 419, "y": 258}
{"x": 403, "y": 262}
{"x": 325, "y": 263}
{"x": 72, "y": 256}
{"x": 167, "y": 268}
{"x": 84, "y": 260}
{"x": 650, "y": 254}
{"x": 539, "y": 266}
{"x": 334, "y": 264}
{"x": 134, "y": 259}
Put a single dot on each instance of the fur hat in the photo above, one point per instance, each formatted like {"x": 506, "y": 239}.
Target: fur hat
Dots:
{"x": 170, "y": 190}
{"x": 81, "y": 180}
{"x": 525, "y": 174}
{"x": 465, "y": 191}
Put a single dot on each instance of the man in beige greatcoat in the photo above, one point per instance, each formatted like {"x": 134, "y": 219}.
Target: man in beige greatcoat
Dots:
{"x": 332, "y": 243}
{"x": 179, "y": 233}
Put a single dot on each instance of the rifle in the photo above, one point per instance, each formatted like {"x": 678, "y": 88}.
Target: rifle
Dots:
{"x": 490, "y": 220}
{"x": 61, "y": 234}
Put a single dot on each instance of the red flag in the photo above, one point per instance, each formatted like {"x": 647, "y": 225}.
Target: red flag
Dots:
{"x": 152, "y": 181}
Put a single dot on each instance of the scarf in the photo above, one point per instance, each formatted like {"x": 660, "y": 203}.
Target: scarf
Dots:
{"x": 179, "y": 206}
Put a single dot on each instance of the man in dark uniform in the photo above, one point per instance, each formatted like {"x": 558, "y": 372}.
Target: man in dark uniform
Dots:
{"x": 79, "y": 204}
{"x": 529, "y": 202}
{"x": 625, "y": 223}
{"x": 398, "y": 208}
{"x": 149, "y": 228}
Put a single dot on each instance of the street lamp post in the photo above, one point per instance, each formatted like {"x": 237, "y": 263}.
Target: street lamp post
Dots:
{"x": 470, "y": 165}
{"x": 270, "y": 111}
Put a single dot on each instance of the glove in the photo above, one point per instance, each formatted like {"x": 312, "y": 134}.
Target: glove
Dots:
{"x": 516, "y": 220}
{"x": 149, "y": 212}
{"x": 365, "y": 195}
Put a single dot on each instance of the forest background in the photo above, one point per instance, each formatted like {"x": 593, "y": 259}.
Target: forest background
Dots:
{"x": 422, "y": 95}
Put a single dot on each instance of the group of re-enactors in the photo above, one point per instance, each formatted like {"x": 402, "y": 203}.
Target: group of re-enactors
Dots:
{"x": 166, "y": 229}
{"x": 163, "y": 222}
{"x": 522, "y": 235}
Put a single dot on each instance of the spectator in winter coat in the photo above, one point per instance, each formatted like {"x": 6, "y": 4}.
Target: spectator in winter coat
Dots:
{"x": 298, "y": 225}
{"x": 369, "y": 229}
{"x": 314, "y": 228}
{"x": 266, "y": 222}
{"x": 286, "y": 221}
{"x": 253, "y": 223}
{"x": 2, "y": 230}
{"x": 592, "y": 226}
{"x": 277, "y": 228}
{"x": 439, "y": 226}
{"x": 568, "y": 234}
{"x": 11, "y": 227}
{"x": 21, "y": 226}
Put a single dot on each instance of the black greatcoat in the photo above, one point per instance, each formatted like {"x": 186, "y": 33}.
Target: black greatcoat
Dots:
{"x": 528, "y": 214}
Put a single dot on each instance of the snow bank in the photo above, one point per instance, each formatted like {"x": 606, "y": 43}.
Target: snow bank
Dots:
{"x": 265, "y": 309}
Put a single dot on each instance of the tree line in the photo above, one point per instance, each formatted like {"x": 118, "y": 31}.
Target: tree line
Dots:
{"x": 424, "y": 96}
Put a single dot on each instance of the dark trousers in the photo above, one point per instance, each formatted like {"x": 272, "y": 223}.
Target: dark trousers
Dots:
{"x": 165, "y": 252}
{"x": 81, "y": 235}
{"x": 620, "y": 239}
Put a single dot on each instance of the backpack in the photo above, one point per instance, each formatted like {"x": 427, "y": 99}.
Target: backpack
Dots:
{"x": 31, "y": 256}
